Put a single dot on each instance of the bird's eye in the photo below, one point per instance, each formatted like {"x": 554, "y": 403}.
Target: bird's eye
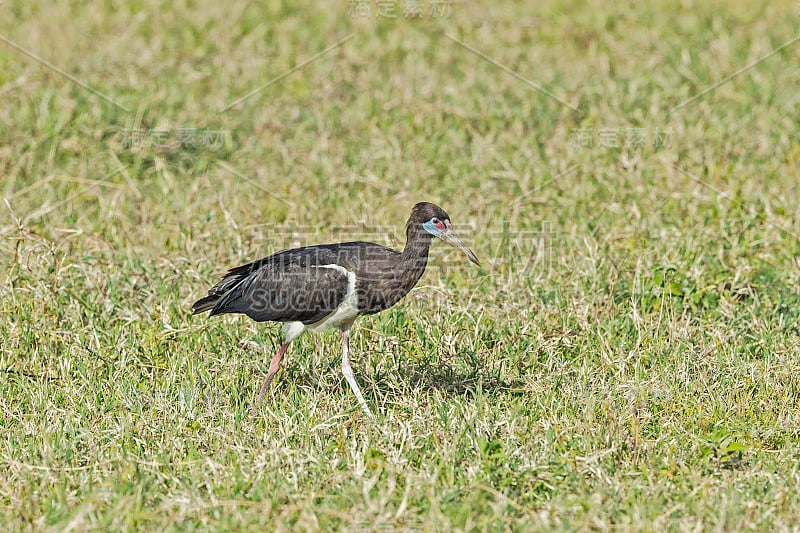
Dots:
{"x": 437, "y": 223}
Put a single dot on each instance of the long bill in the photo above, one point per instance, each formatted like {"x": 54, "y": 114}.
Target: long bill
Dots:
{"x": 449, "y": 236}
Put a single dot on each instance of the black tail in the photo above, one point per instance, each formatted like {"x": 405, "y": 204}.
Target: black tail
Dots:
{"x": 205, "y": 304}
{"x": 218, "y": 292}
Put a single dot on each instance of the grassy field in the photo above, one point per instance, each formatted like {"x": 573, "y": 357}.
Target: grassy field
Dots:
{"x": 626, "y": 358}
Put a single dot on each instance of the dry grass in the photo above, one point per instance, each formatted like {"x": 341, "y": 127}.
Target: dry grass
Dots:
{"x": 627, "y": 358}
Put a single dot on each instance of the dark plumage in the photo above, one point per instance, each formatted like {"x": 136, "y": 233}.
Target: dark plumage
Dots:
{"x": 329, "y": 285}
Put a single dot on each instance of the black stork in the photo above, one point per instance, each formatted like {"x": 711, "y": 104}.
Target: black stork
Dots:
{"x": 314, "y": 288}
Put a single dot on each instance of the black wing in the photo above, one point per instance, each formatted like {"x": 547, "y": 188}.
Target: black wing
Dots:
{"x": 293, "y": 285}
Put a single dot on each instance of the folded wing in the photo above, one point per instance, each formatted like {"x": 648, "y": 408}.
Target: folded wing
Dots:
{"x": 285, "y": 287}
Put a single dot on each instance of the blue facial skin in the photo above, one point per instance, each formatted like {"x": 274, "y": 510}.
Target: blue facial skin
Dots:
{"x": 431, "y": 228}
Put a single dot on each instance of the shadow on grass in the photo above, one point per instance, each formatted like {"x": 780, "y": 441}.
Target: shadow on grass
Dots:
{"x": 408, "y": 377}
{"x": 448, "y": 379}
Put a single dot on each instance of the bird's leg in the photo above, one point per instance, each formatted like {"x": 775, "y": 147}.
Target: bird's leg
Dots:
{"x": 274, "y": 365}
{"x": 349, "y": 375}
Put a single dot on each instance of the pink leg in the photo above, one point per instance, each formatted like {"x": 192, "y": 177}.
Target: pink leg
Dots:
{"x": 349, "y": 375}
{"x": 274, "y": 365}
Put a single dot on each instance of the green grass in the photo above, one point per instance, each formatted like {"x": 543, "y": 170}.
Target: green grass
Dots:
{"x": 626, "y": 358}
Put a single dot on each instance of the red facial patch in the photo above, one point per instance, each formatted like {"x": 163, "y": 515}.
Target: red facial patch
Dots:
{"x": 439, "y": 225}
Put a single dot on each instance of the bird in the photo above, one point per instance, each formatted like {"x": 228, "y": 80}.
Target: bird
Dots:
{"x": 328, "y": 286}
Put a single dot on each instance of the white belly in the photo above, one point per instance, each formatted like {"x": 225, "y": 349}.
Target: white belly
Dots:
{"x": 342, "y": 318}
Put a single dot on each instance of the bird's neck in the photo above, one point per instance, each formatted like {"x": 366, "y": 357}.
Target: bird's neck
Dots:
{"x": 415, "y": 255}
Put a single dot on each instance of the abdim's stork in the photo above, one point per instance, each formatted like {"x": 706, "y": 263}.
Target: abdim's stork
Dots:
{"x": 327, "y": 286}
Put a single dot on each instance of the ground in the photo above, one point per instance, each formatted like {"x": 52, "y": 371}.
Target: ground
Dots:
{"x": 625, "y": 358}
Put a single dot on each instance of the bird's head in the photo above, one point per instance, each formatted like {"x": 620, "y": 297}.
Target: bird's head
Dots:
{"x": 433, "y": 219}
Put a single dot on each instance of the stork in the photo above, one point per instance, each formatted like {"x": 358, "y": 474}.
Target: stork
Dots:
{"x": 315, "y": 288}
